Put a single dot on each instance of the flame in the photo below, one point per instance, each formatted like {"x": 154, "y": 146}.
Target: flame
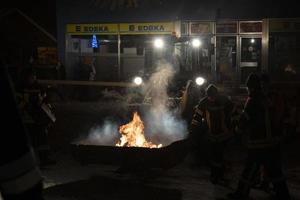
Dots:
{"x": 133, "y": 134}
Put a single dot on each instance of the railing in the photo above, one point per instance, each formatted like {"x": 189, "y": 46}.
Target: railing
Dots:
{"x": 87, "y": 83}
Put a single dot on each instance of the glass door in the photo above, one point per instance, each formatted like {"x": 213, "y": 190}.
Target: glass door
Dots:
{"x": 226, "y": 59}
{"x": 250, "y": 56}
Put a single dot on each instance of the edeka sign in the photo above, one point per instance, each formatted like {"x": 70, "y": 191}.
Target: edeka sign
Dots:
{"x": 147, "y": 28}
{"x": 87, "y": 29}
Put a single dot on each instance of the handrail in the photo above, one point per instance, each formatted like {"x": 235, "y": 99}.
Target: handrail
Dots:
{"x": 87, "y": 83}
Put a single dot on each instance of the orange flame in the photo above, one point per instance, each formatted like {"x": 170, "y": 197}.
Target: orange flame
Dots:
{"x": 133, "y": 134}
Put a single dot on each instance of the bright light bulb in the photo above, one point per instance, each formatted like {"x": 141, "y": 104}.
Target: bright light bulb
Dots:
{"x": 200, "y": 80}
{"x": 138, "y": 80}
{"x": 196, "y": 43}
{"x": 158, "y": 43}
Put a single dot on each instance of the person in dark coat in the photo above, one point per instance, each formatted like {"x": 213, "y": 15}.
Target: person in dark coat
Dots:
{"x": 262, "y": 130}
{"x": 212, "y": 122}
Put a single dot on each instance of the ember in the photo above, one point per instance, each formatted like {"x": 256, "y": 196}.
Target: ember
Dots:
{"x": 133, "y": 134}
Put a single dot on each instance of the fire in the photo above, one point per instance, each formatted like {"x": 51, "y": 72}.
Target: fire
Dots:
{"x": 133, "y": 134}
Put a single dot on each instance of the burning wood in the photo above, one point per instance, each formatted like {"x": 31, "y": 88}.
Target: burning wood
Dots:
{"x": 133, "y": 134}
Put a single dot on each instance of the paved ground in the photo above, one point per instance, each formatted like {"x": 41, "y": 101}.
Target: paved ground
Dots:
{"x": 69, "y": 180}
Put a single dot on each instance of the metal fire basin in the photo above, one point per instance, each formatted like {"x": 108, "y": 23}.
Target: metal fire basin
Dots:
{"x": 132, "y": 157}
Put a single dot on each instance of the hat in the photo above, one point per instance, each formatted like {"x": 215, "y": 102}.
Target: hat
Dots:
{"x": 211, "y": 90}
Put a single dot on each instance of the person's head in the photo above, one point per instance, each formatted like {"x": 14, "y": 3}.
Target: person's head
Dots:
{"x": 253, "y": 82}
{"x": 212, "y": 91}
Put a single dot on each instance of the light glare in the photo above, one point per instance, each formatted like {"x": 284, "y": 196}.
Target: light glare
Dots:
{"x": 200, "y": 80}
{"x": 158, "y": 43}
{"x": 196, "y": 42}
{"x": 138, "y": 80}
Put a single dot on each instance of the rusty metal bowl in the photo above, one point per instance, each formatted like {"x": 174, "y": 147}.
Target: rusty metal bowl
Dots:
{"x": 132, "y": 157}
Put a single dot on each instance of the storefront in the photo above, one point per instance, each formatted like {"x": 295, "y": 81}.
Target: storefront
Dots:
{"x": 92, "y": 45}
{"x": 269, "y": 45}
{"x": 284, "y": 49}
{"x": 196, "y": 50}
{"x": 117, "y": 51}
{"x": 223, "y": 51}
{"x": 239, "y": 50}
{"x": 228, "y": 51}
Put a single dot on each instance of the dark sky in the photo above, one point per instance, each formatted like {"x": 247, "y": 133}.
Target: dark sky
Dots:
{"x": 44, "y": 11}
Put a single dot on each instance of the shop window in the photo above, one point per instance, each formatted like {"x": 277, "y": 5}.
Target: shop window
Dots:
{"x": 284, "y": 51}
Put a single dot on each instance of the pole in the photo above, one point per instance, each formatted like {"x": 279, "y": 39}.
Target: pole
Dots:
{"x": 119, "y": 53}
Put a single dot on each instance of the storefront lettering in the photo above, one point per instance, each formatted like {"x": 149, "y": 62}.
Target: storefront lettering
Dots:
{"x": 93, "y": 29}
{"x": 151, "y": 28}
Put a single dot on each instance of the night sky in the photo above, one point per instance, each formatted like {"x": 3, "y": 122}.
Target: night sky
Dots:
{"x": 44, "y": 12}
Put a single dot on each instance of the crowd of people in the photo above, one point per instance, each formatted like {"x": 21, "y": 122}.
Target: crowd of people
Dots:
{"x": 265, "y": 122}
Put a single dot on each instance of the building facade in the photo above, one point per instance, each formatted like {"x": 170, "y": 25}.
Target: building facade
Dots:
{"x": 228, "y": 51}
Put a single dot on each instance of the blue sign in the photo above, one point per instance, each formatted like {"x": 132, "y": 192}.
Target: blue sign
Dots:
{"x": 94, "y": 42}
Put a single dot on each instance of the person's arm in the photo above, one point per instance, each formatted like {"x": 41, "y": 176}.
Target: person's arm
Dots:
{"x": 244, "y": 121}
{"x": 229, "y": 109}
{"x": 198, "y": 124}
{"x": 20, "y": 177}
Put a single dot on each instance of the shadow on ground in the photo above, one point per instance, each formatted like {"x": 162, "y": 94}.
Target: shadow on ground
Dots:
{"x": 108, "y": 188}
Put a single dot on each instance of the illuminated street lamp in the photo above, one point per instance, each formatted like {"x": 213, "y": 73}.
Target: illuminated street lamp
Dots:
{"x": 138, "y": 80}
{"x": 200, "y": 80}
{"x": 158, "y": 43}
{"x": 196, "y": 43}
{"x": 252, "y": 40}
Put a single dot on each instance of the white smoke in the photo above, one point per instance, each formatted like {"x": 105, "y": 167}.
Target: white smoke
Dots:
{"x": 164, "y": 127}
{"x": 162, "y": 124}
{"x": 158, "y": 83}
{"x": 107, "y": 134}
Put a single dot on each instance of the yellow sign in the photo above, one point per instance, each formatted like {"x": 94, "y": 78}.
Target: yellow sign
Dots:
{"x": 147, "y": 28}
{"x": 87, "y": 29}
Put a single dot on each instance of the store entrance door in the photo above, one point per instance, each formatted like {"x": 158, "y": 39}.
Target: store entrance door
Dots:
{"x": 250, "y": 56}
{"x": 226, "y": 59}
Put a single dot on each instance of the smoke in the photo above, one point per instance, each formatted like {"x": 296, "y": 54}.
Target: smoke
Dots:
{"x": 158, "y": 83}
{"x": 163, "y": 125}
{"x": 107, "y": 134}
